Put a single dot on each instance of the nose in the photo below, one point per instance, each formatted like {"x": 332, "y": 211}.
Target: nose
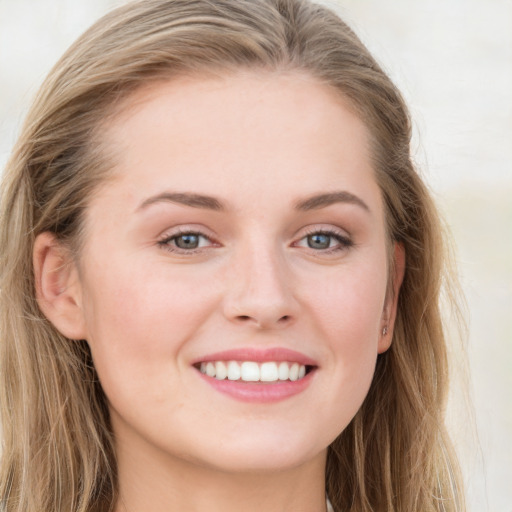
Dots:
{"x": 260, "y": 290}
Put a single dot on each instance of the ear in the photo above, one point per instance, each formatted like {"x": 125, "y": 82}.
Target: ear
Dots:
{"x": 58, "y": 288}
{"x": 390, "y": 308}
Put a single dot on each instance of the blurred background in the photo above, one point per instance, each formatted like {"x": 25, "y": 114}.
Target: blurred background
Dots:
{"x": 452, "y": 59}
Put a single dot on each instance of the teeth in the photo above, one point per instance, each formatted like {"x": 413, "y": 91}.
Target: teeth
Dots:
{"x": 269, "y": 372}
{"x": 221, "y": 370}
{"x": 210, "y": 369}
{"x": 250, "y": 371}
{"x": 294, "y": 371}
{"x": 283, "y": 371}
{"x": 233, "y": 370}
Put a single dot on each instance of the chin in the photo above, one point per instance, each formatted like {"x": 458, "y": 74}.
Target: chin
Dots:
{"x": 262, "y": 462}
{"x": 263, "y": 453}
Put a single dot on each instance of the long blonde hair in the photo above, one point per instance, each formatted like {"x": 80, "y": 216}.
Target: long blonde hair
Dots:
{"x": 58, "y": 447}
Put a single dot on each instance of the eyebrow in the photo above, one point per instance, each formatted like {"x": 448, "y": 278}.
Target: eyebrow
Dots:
{"x": 201, "y": 201}
{"x": 186, "y": 199}
{"x": 323, "y": 200}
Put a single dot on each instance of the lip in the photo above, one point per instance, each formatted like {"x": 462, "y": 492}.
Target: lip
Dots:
{"x": 259, "y": 392}
{"x": 258, "y": 356}
{"x": 262, "y": 392}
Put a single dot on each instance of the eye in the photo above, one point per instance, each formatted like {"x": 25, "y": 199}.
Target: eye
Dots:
{"x": 319, "y": 241}
{"x": 325, "y": 240}
{"x": 185, "y": 241}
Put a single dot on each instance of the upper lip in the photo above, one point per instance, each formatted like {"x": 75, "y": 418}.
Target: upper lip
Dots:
{"x": 258, "y": 355}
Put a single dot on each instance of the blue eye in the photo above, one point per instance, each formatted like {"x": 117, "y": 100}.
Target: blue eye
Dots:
{"x": 328, "y": 241}
{"x": 319, "y": 241}
{"x": 186, "y": 241}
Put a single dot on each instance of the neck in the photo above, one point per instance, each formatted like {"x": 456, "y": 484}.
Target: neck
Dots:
{"x": 162, "y": 484}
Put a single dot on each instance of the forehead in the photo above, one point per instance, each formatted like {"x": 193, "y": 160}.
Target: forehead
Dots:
{"x": 245, "y": 133}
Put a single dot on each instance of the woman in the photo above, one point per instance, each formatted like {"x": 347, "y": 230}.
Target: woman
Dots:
{"x": 221, "y": 274}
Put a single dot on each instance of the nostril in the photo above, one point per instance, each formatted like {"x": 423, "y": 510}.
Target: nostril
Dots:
{"x": 264, "y": 322}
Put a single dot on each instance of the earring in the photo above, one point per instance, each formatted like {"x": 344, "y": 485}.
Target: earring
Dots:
{"x": 385, "y": 331}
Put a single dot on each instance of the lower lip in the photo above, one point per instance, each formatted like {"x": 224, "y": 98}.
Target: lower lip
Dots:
{"x": 262, "y": 392}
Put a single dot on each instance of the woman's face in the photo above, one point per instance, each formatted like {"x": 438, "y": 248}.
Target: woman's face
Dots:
{"x": 243, "y": 233}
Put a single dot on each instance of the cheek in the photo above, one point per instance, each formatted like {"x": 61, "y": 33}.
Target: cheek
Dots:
{"x": 348, "y": 313}
{"x": 138, "y": 320}
{"x": 349, "y": 304}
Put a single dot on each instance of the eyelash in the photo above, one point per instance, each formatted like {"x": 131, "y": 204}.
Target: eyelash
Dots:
{"x": 166, "y": 242}
{"x": 169, "y": 242}
{"x": 343, "y": 241}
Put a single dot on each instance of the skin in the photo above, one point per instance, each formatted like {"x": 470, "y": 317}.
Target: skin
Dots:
{"x": 259, "y": 144}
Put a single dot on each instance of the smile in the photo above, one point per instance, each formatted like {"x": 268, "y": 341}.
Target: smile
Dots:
{"x": 252, "y": 371}
{"x": 261, "y": 375}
